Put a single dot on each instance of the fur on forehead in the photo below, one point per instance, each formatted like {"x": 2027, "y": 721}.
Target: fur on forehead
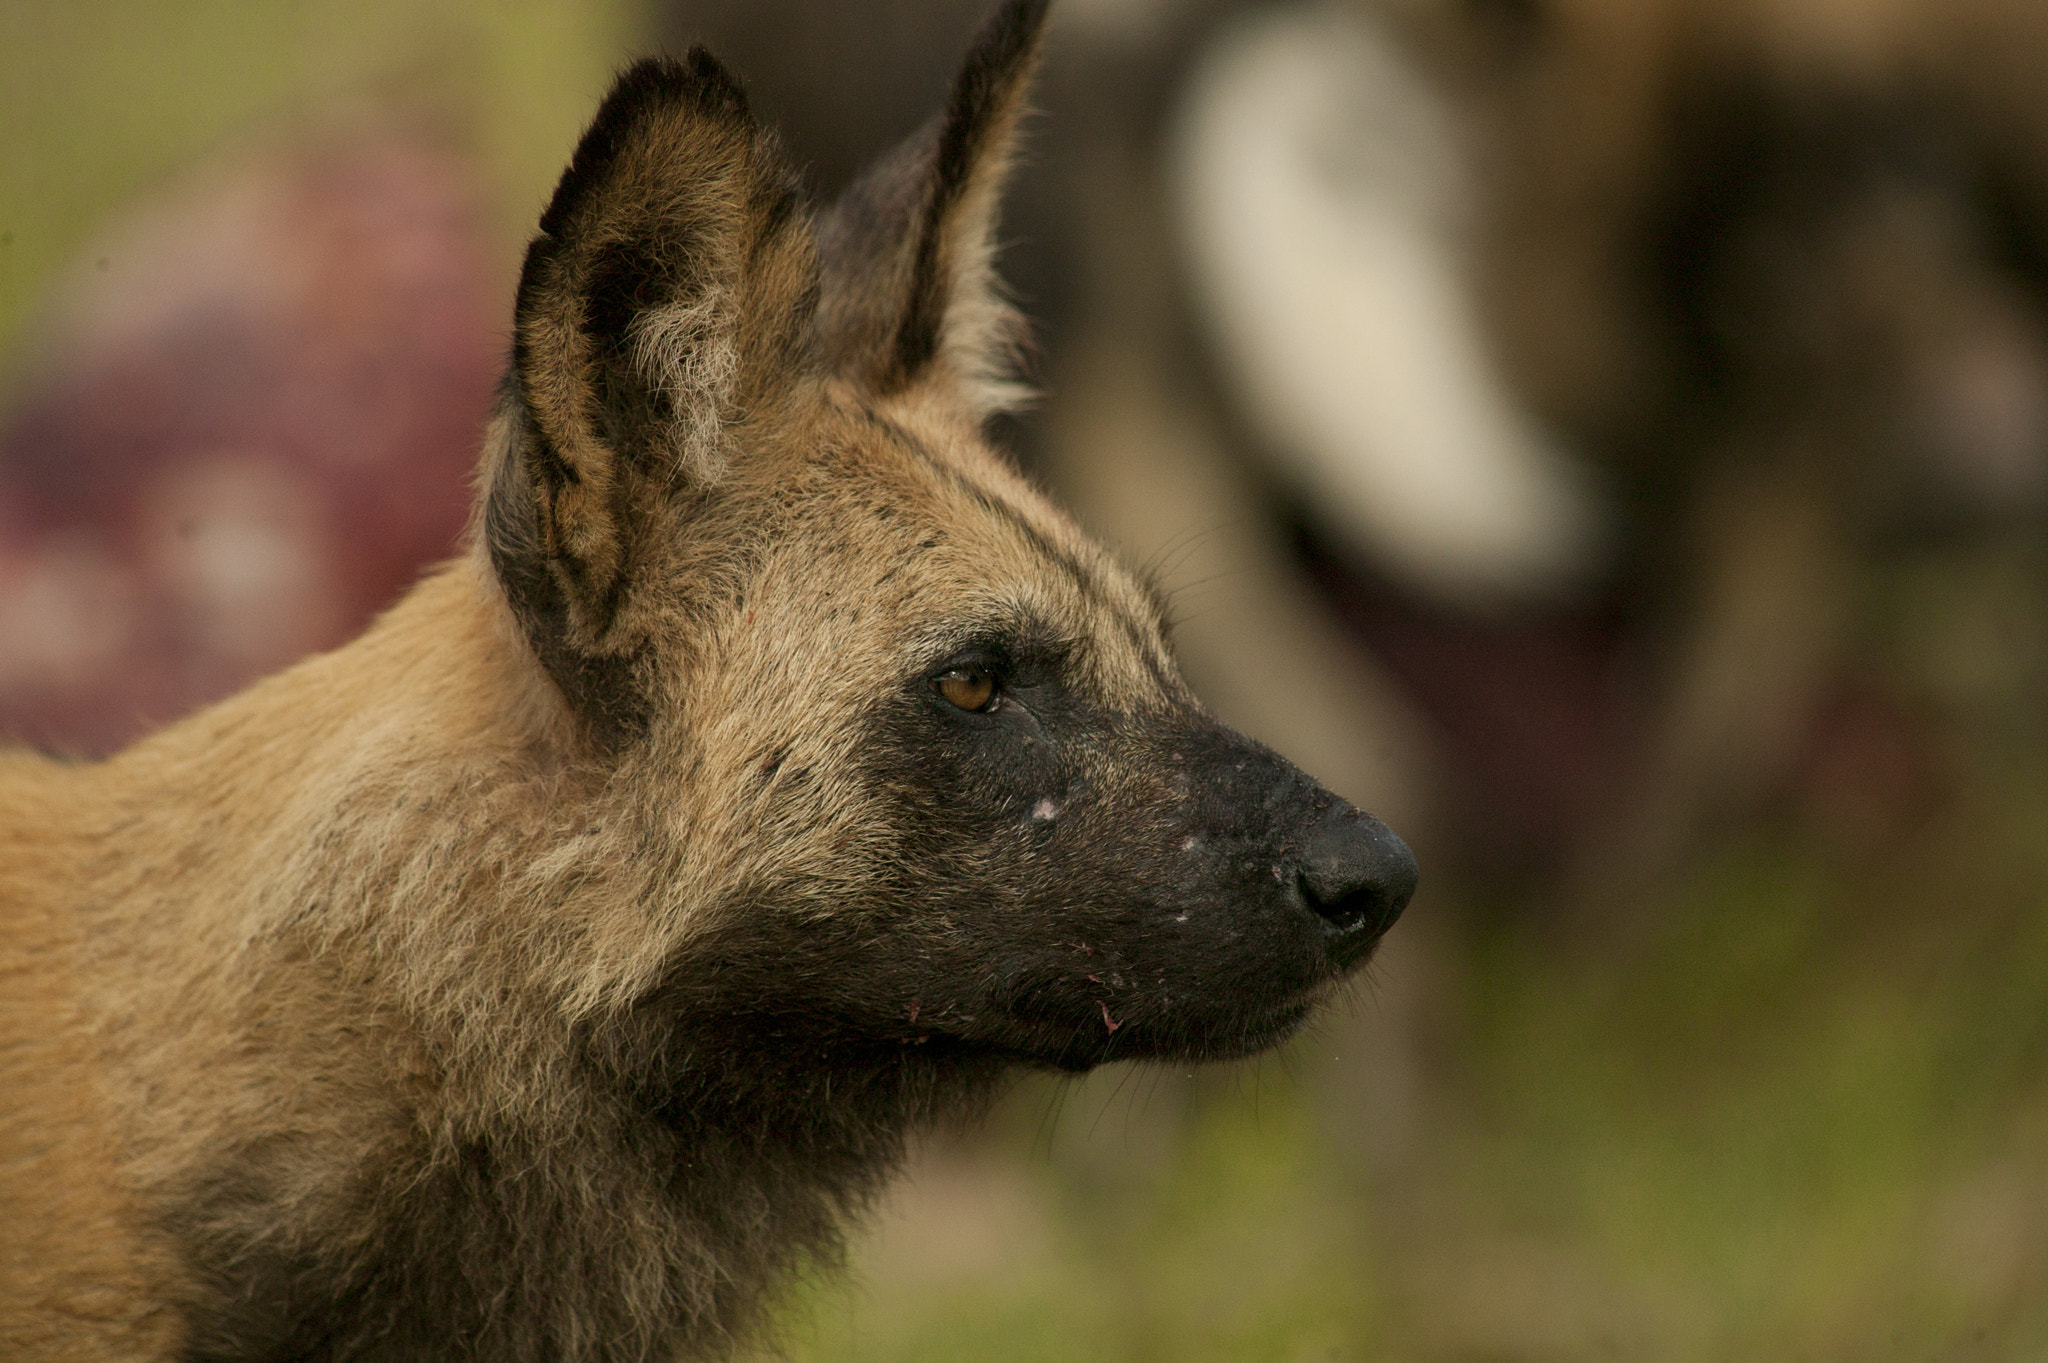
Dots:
{"x": 928, "y": 541}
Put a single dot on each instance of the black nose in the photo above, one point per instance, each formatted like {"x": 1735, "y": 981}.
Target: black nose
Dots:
{"x": 1358, "y": 876}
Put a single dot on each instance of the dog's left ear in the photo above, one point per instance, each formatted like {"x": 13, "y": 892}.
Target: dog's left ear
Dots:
{"x": 665, "y": 311}
{"x": 910, "y": 292}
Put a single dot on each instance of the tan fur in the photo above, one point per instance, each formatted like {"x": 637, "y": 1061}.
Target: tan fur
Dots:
{"x": 74, "y": 1273}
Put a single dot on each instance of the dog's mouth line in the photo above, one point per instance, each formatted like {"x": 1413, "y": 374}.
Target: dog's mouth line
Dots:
{"x": 1107, "y": 1033}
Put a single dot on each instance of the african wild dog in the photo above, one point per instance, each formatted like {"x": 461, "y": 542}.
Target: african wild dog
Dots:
{"x": 538, "y": 975}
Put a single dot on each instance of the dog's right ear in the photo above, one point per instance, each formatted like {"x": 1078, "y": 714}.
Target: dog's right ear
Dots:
{"x": 909, "y": 285}
{"x": 671, "y": 293}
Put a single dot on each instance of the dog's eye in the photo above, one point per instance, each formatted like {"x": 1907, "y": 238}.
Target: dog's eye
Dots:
{"x": 969, "y": 687}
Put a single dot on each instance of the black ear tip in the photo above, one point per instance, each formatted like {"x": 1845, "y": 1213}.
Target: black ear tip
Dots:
{"x": 710, "y": 84}
{"x": 1009, "y": 33}
{"x": 699, "y": 82}
{"x": 997, "y": 64}
{"x": 1028, "y": 15}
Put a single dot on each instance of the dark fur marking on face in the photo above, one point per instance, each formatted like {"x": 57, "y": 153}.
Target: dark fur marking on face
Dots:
{"x": 995, "y": 505}
{"x": 1149, "y": 645}
{"x": 1139, "y": 859}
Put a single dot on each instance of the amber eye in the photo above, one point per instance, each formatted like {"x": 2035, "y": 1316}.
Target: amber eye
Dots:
{"x": 970, "y": 688}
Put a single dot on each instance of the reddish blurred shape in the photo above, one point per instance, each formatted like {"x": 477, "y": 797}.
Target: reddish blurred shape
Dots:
{"x": 248, "y": 425}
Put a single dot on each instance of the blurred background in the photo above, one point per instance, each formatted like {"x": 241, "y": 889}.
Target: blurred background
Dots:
{"x": 1608, "y": 438}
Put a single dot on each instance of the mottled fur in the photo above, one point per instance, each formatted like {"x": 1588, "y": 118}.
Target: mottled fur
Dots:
{"x": 539, "y": 975}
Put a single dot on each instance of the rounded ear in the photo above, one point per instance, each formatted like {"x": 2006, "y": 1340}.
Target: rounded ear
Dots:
{"x": 673, "y": 286}
{"x": 909, "y": 280}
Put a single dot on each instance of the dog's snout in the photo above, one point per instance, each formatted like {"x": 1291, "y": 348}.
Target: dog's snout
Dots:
{"x": 1357, "y": 875}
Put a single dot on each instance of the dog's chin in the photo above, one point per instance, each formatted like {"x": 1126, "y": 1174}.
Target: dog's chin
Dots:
{"x": 1073, "y": 1049}
{"x": 1237, "y": 1041}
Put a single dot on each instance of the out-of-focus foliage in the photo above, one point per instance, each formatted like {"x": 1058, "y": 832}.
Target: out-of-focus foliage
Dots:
{"x": 103, "y": 101}
{"x": 255, "y": 264}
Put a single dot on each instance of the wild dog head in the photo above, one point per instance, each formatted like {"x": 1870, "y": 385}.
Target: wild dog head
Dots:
{"x": 910, "y": 762}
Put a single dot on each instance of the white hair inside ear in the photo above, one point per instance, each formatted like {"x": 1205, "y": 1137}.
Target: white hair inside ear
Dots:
{"x": 1321, "y": 191}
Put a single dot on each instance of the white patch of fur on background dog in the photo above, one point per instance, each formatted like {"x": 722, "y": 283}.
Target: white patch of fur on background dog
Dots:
{"x": 1319, "y": 185}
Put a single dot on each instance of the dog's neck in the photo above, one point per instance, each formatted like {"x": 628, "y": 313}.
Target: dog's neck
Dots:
{"x": 492, "y": 1098}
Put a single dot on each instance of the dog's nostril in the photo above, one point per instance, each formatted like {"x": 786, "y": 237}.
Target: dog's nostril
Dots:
{"x": 1356, "y": 874}
{"x": 1348, "y": 911}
